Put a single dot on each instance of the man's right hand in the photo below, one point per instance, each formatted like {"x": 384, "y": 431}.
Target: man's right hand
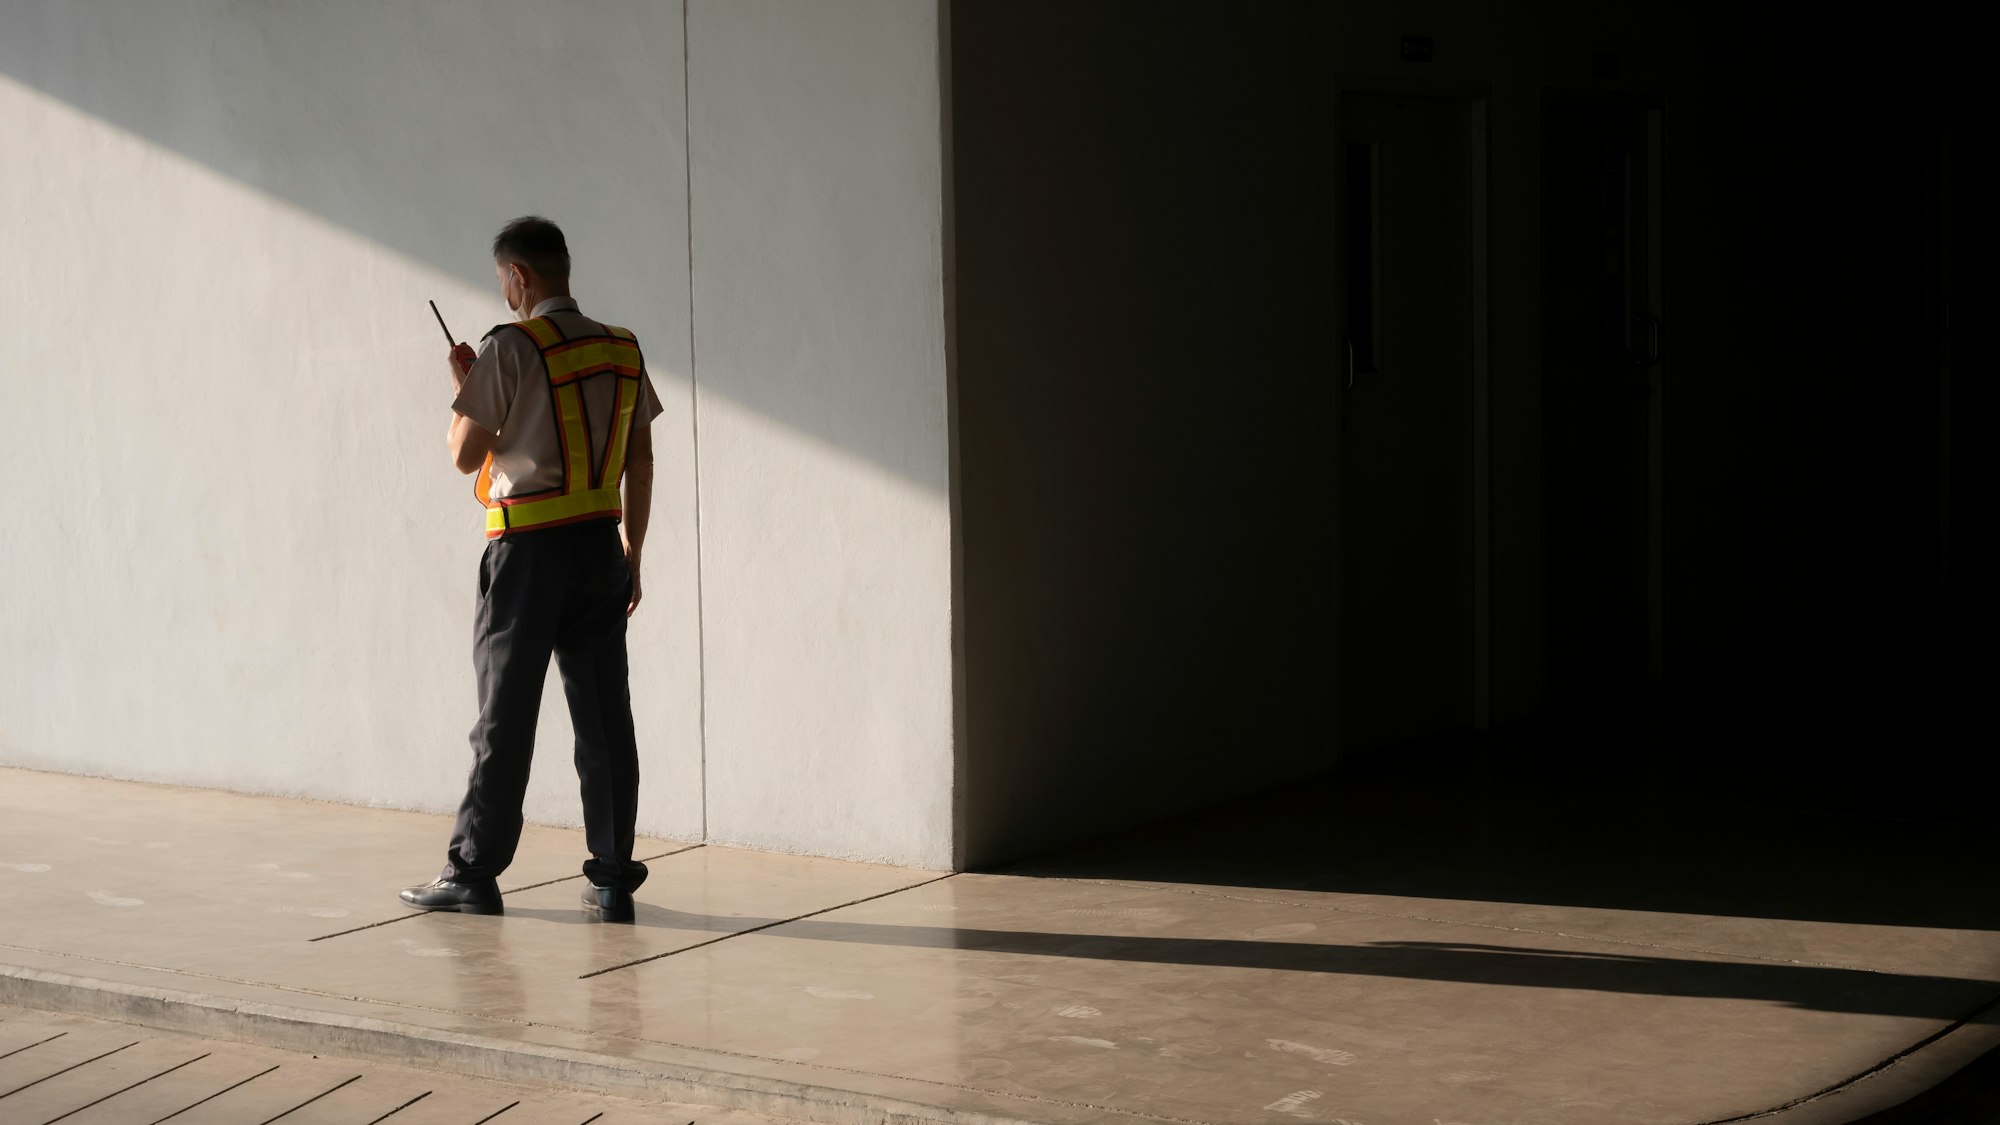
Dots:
{"x": 462, "y": 356}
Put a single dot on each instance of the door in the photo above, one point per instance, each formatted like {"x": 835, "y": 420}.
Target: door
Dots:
{"x": 1406, "y": 440}
{"x": 1601, "y": 406}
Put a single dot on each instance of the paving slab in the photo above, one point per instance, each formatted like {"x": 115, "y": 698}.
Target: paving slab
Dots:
{"x": 69, "y": 1090}
{"x": 47, "y": 1056}
{"x": 207, "y": 1082}
{"x": 175, "y": 1093}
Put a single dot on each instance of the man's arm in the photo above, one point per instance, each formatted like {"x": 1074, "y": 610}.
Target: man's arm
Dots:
{"x": 638, "y": 502}
{"x": 468, "y": 441}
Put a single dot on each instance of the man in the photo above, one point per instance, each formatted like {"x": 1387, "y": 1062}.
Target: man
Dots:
{"x": 550, "y": 412}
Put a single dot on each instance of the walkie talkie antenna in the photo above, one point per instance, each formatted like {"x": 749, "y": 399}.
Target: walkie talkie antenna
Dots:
{"x": 447, "y": 332}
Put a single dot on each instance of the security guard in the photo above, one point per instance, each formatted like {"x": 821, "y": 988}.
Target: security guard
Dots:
{"x": 551, "y": 412}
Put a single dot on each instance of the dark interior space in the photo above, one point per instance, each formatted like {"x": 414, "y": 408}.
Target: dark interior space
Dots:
{"x": 1728, "y": 460}
{"x": 1143, "y": 268}
{"x": 1829, "y": 633}
{"x": 1825, "y": 634}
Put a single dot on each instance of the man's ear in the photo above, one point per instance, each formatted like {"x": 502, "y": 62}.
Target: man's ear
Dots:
{"x": 520, "y": 275}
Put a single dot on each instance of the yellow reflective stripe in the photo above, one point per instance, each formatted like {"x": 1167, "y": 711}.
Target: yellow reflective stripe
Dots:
{"x": 621, "y": 430}
{"x": 569, "y": 362}
{"x": 535, "y": 513}
{"x": 576, "y": 438}
{"x": 545, "y": 333}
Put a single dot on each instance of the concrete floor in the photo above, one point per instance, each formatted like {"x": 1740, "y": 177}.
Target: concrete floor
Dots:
{"x": 1373, "y": 953}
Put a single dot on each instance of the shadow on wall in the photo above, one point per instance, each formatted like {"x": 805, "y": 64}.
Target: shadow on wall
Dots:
{"x": 422, "y": 128}
{"x": 391, "y": 123}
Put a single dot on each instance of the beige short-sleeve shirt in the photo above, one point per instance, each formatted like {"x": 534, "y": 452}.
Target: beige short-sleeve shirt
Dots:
{"x": 507, "y": 393}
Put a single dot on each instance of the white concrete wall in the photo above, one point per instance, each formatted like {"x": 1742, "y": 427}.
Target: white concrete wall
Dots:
{"x": 235, "y": 554}
{"x": 820, "y": 367}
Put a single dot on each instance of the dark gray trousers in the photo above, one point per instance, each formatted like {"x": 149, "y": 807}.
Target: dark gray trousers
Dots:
{"x": 562, "y": 590}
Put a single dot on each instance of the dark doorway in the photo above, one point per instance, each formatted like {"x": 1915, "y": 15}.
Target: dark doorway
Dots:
{"x": 1602, "y": 408}
{"x": 1406, "y": 442}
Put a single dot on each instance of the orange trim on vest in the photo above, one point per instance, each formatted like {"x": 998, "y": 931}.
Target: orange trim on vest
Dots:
{"x": 584, "y": 494}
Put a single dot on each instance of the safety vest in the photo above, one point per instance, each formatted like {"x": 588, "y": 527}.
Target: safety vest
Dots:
{"x": 589, "y": 490}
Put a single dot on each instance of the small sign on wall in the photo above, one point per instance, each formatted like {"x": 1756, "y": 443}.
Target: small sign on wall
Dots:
{"x": 1416, "y": 48}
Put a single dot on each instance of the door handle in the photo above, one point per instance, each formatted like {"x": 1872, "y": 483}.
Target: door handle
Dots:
{"x": 1650, "y": 328}
{"x": 1350, "y": 365}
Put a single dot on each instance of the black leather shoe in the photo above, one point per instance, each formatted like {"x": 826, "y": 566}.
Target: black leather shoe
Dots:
{"x": 466, "y": 898}
{"x": 607, "y": 904}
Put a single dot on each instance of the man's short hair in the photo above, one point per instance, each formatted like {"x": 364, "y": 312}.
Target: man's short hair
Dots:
{"x": 536, "y": 243}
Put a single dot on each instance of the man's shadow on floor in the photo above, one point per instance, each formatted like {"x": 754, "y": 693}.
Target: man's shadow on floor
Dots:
{"x": 1817, "y": 987}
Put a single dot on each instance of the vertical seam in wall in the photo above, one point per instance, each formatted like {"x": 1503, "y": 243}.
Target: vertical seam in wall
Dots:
{"x": 1482, "y": 413}
{"x": 962, "y": 839}
{"x": 694, "y": 422}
